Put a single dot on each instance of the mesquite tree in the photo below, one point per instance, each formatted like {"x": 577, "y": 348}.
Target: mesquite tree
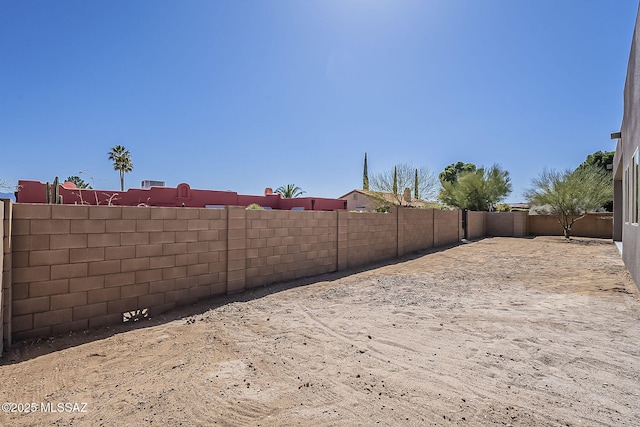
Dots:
{"x": 571, "y": 194}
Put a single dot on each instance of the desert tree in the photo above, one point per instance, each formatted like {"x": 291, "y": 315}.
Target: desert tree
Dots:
{"x": 121, "y": 158}
{"x": 497, "y": 185}
{"x": 394, "y": 187}
{"x": 365, "y": 175}
{"x": 570, "y": 195}
{"x": 6, "y": 185}
{"x": 602, "y": 160}
{"x": 402, "y": 176}
{"x": 290, "y": 191}
{"x": 451, "y": 172}
{"x": 465, "y": 192}
{"x": 477, "y": 190}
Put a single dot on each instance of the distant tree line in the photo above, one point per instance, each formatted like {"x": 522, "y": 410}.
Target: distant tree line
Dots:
{"x": 569, "y": 194}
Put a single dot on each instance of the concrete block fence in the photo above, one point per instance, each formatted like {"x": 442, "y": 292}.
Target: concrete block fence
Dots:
{"x": 66, "y": 267}
{"x": 5, "y": 276}
{"x": 598, "y": 225}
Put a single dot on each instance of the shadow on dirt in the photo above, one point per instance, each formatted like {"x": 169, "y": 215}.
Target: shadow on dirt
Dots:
{"x": 585, "y": 241}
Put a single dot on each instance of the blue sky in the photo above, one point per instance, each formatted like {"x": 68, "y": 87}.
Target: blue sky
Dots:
{"x": 242, "y": 95}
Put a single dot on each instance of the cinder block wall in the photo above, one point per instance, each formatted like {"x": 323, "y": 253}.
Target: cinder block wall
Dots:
{"x": 499, "y": 224}
{"x": 476, "y": 227}
{"x": 75, "y": 267}
{"x": 417, "y": 229}
{"x": 447, "y": 227}
{"x": 6, "y": 273}
{"x": 520, "y": 224}
{"x": 371, "y": 237}
{"x": 2, "y": 243}
{"x": 285, "y": 245}
{"x": 599, "y": 225}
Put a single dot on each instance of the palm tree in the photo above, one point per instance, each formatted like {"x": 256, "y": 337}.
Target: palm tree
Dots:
{"x": 290, "y": 191}
{"x": 121, "y": 158}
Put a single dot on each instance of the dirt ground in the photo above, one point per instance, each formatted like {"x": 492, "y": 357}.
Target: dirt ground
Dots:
{"x": 502, "y": 331}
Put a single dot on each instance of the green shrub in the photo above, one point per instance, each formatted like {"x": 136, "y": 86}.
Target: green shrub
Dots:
{"x": 255, "y": 207}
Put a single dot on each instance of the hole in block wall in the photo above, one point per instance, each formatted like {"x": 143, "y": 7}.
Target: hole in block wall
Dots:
{"x": 135, "y": 315}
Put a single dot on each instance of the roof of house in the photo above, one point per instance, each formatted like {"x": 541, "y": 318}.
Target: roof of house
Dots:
{"x": 388, "y": 197}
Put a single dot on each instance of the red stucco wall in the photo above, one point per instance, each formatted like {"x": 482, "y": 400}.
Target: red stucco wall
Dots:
{"x": 35, "y": 192}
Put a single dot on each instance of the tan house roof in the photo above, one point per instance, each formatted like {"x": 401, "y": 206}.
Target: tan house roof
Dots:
{"x": 384, "y": 198}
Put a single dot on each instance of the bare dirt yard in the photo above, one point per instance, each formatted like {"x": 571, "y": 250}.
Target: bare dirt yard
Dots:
{"x": 502, "y": 331}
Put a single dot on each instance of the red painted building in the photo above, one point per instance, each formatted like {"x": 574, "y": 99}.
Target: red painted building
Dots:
{"x": 183, "y": 195}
